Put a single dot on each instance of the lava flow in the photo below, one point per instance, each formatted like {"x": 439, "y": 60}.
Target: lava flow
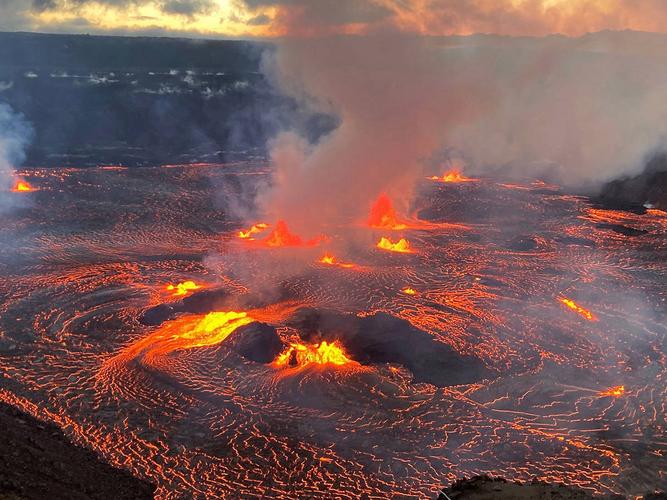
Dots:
{"x": 254, "y": 229}
{"x": 330, "y": 260}
{"x": 409, "y": 291}
{"x": 300, "y": 355}
{"x": 182, "y": 288}
{"x": 401, "y": 246}
{"x": 188, "y": 332}
{"x": 577, "y": 308}
{"x": 22, "y": 186}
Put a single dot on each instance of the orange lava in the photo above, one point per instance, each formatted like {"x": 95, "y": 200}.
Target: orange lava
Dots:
{"x": 330, "y": 260}
{"x": 409, "y": 291}
{"x": 615, "y": 392}
{"x": 182, "y": 288}
{"x": 452, "y": 176}
{"x": 255, "y": 228}
{"x": 401, "y": 246}
{"x": 298, "y": 354}
{"x": 189, "y": 331}
{"x": 577, "y": 308}
{"x": 383, "y": 215}
{"x": 281, "y": 237}
{"x": 22, "y": 186}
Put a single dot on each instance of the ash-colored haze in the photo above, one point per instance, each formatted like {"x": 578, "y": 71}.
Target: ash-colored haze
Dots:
{"x": 576, "y": 111}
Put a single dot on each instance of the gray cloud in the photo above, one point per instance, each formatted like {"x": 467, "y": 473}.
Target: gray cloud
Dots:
{"x": 187, "y": 8}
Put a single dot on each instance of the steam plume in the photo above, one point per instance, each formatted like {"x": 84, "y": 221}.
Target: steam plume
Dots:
{"x": 579, "y": 111}
{"x": 15, "y": 134}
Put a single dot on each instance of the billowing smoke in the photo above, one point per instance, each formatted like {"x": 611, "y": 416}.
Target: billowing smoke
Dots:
{"x": 15, "y": 134}
{"x": 576, "y": 111}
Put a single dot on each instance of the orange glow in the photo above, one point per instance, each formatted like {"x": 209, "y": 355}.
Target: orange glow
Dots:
{"x": 22, "y": 186}
{"x": 330, "y": 260}
{"x": 189, "y": 331}
{"x": 409, "y": 291}
{"x": 383, "y": 215}
{"x": 401, "y": 246}
{"x": 281, "y": 237}
{"x": 577, "y": 308}
{"x": 301, "y": 354}
{"x": 256, "y": 228}
{"x": 615, "y": 392}
{"x": 182, "y": 288}
{"x": 452, "y": 176}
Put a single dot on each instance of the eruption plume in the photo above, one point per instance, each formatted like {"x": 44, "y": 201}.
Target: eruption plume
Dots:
{"x": 383, "y": 215}
{"x": 483, "y": 98}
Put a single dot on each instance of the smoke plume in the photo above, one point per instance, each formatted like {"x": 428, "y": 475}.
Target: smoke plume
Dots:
{"x": 576, "y": 111}
{"x": 15, "y": 134}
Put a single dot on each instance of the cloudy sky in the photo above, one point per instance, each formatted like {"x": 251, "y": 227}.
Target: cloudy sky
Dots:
{"x": 274, "y": 18}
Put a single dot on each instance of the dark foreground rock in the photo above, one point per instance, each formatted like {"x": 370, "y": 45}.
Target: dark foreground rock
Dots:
{"x": 38, "y": 462}
{"x": 632, "y": 193}
{"x": 487, "y": 488}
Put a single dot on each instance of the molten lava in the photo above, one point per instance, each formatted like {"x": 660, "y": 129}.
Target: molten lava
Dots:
{"x": 301, "y": 355}
{"x": 22, "y": 186}
{"x": 256, "y": 228}
{"x": 401, "y": 246}
{"x": 383, "y": 215}
{"x": 452, "y": 176}
{"x": 187, "y": 332}
{"x": 281, "y": 237}
{"x": 409, "y": 291}
{"x": 330, "y": 260}
{"x": 182, "y": 288}
{"x": 577, "y": 308}
{"x": 614, "y": 392}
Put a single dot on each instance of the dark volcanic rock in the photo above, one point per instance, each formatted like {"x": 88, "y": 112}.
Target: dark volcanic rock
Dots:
{"x": 382, "y": 338}
{"x": 624, "y": 230}
{"x": 38, "y": 462}
{"x": 631, "y": 193}
{"x": 257, "y": 342}
{"x": 487, "y": 488}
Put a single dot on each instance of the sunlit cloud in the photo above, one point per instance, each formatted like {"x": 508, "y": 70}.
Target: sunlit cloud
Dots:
{"x": 274, "y": 18}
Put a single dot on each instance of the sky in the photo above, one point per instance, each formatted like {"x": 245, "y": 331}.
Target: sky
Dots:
{"x": 308, "y": 18}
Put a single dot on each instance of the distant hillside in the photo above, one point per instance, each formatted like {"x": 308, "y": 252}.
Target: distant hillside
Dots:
{"x": 96, "y": 100}
{"x": 29, "y": 50}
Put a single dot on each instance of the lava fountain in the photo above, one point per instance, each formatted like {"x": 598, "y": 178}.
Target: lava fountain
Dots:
{"x": 21, "y": 186}
{"x": 298, "y": 354}
{"x": 401, "y": 246}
